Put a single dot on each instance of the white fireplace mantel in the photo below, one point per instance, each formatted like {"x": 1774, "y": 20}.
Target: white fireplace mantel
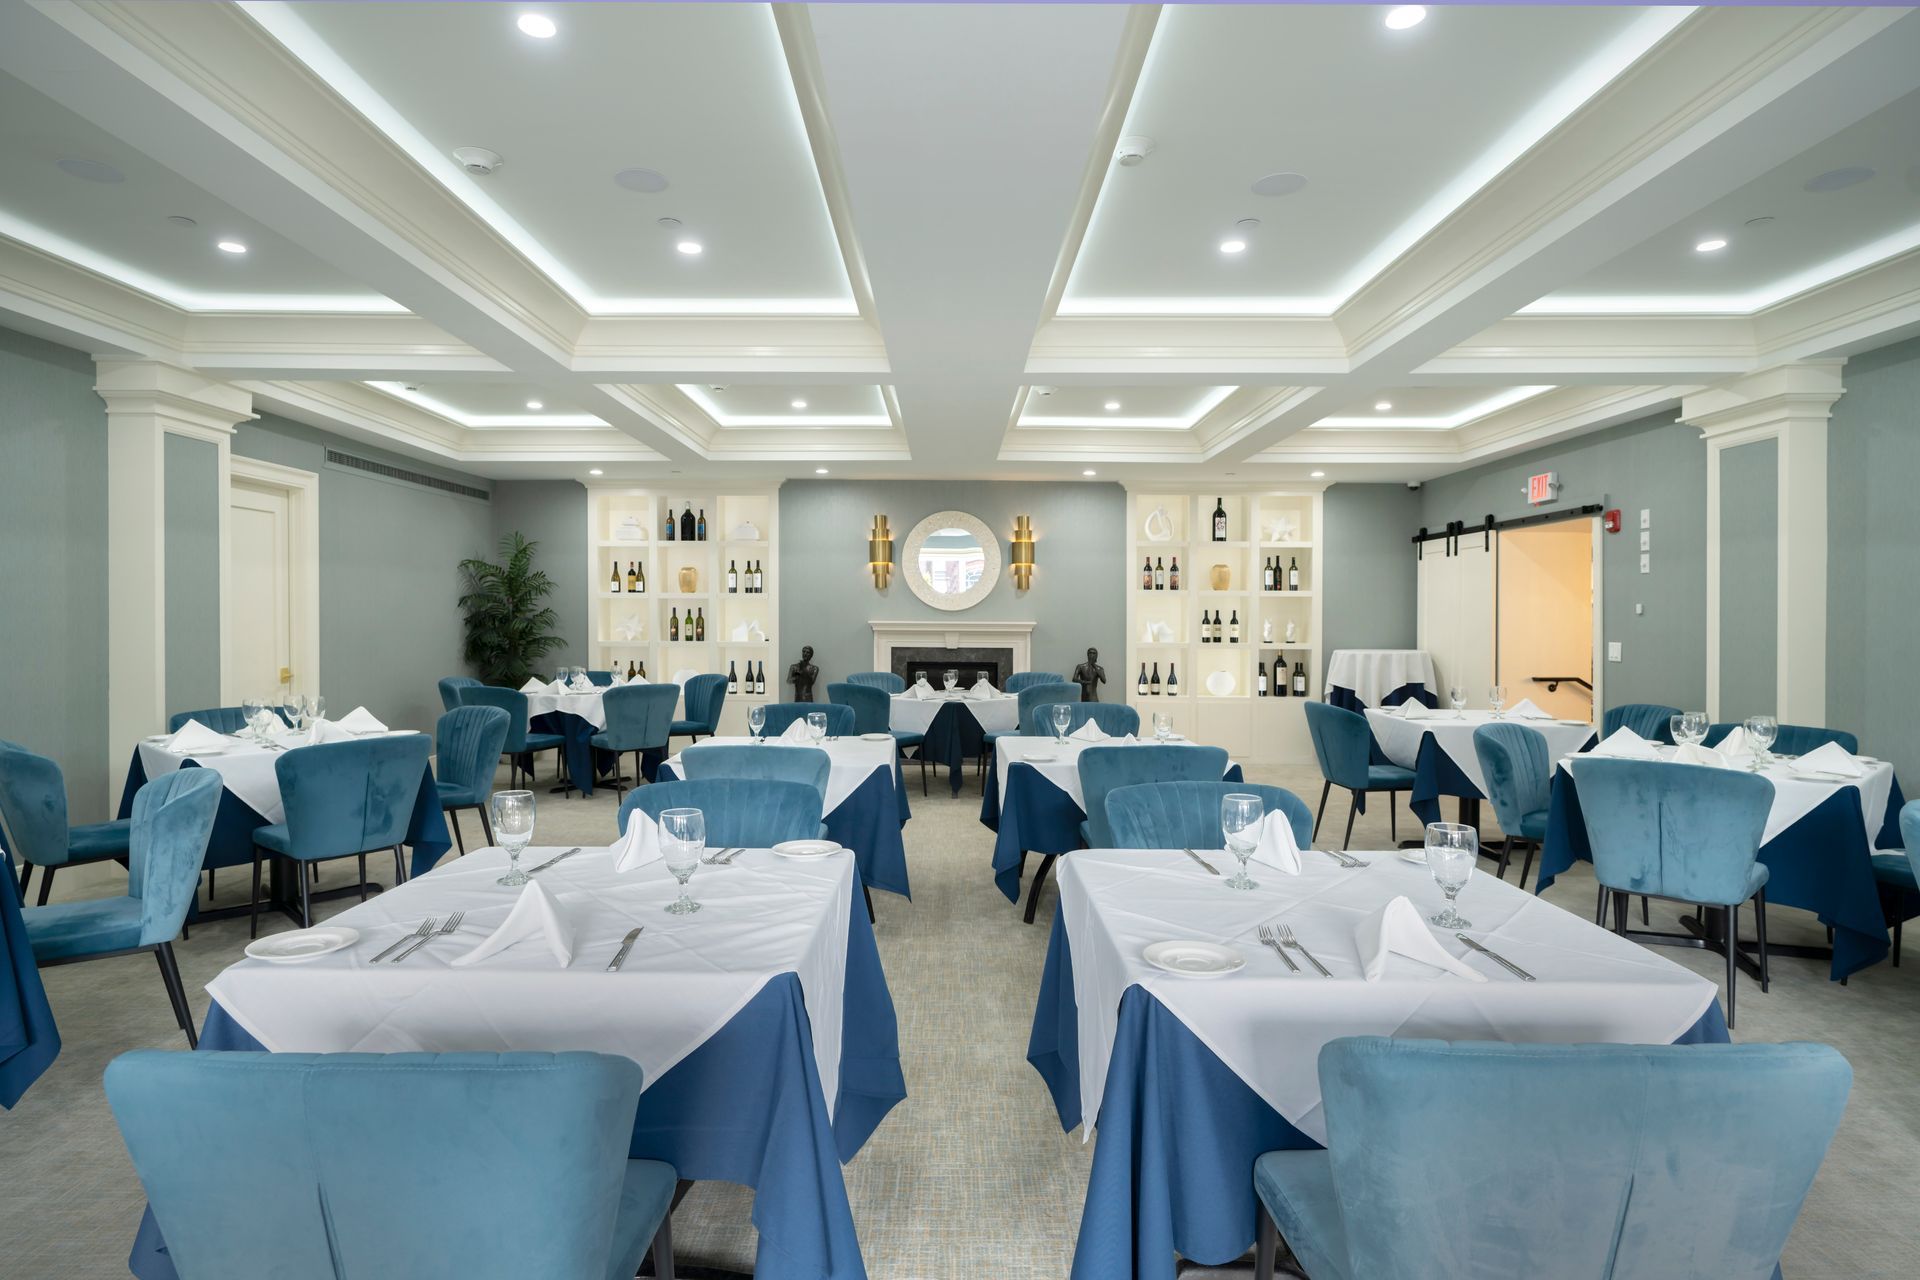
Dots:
{"x": 950, "y": 633}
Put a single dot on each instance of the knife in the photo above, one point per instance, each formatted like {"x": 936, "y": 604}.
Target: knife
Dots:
{"x": 1495, "y": 956}
{"x": 1202, "y": 861}
{"x": 556, "y": 859}
{"x": 626, "y": 945}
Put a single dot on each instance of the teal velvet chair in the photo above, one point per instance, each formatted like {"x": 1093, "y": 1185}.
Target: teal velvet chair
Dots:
{"x": 312, "y": 1166}
{"x": 1343, "y": 745}
{"x": 1635, "y": 1162}
{"x": 807, "y": 765}
{"x": 705, "y": 696}
{"x": 1027, "y": 679}
{"x": 1684, "y": 832}
{"x": 782, "y": 714}
{"x": 521, "y": 741}
{"x": 885, "y": 681}
{"x": 1031, "y": 694}
{"x": 1519, "y": 778}
{"x": 756, "y": 813}
{"x": 1793, "y": 739}
{"x": 219, "y": 719}
{"x": 172, "y": 822}
{"x": 466, "y": 750}
{"x": 639, "y": 719}
{"x": 33, "y": 821}
{"x": 343, "y": 800}
{"x": 1898, "y": 871}
{"x": 1648, "y": 719}
{"x": 873, "y": 712}
{"x": 600, "y": 679}
{"x": 1116, "y": 719}
{"x": 451, "y": 688}
{"x": 1186, "y": 815}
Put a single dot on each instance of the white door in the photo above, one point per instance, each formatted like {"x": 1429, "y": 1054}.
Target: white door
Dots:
{"x": 1456, "y": 617}
{"x": 260, "y": 542}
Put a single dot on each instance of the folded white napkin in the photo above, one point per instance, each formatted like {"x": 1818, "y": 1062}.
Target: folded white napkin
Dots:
{"x": 795, "y": 732}
{"x": 1831, "y": 757}
{"x": 1736, "y": 743}
{"x": 640, "y": 845}
{"x": 360, "y": 720}
{"x": 1526, "y": 710}
{"x": 325, "y": 730}
{"x": 1623, "y": 743}
{"x": 1398, "y": 929}
{"x": 194, "y": 736}
{"x": 535, "y": 684}
{"x": 1277, "y": 848}
{"x": 1414, "y": 710}
{"x": 1694, "y": 753}
{"x": 1089, "y": 732}
{"x": 982, "y": 690}
{"x": 617, "y": 681}
{"x": 558, "y": 686}
{"x": 921, "y": 691}
{"x": 535, "y": 915}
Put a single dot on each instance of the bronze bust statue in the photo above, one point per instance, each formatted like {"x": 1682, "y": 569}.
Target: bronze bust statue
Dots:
{"x": 1090, "y": 675}
{"x": 802, "y": 674}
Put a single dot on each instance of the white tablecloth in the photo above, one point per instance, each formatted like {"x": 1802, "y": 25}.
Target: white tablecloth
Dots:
{"x": 1795, "y": 797}
{"x": 850, "y": 762}
{"x": 1268, "y": 1025}
{"x": 1372, "y": 674}
{"x": 1058, "y": 762}
{"x": 1399, "y": 737}
{"x": 998, "y": 714}
{"x": 588, "y": 706}
{"x": 246, "y": 768}
{"x": 686, "y": 977}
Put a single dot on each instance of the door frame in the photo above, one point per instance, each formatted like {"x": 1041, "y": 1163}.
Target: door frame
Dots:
{"x": 1597, "y": 583}
{"x": 302, "y": 492}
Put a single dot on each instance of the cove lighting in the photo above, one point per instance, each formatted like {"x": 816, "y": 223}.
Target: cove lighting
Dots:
{"x": 1400, "y": 17}
{"x": 230, "y": 246}
{"x": 689, "y": 247}
{"x": 1710, "y": 246}
{"x": 537, "y": 25}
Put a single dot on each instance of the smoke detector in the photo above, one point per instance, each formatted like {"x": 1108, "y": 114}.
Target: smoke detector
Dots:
{"x": 1132, "y": 150}
{"x": 478, "y": 161}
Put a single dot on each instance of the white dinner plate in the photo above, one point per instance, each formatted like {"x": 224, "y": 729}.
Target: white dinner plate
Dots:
{"x": 876, "y": 737}
{"x": 1816, "y": 775}
{"x": 204, "y": 751}
{"x": 1038, "y": 757}
{"x": 303, "y": 944}
{"x": 1193, "y": 958}
{"x": 156, "y": 737}
{"x": 806, "y": 848}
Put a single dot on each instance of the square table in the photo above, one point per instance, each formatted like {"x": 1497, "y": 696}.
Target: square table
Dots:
{"x": 1438, "y": 747}
{"x": 1192, "y": 1078}
{"x": 955, "y": 726}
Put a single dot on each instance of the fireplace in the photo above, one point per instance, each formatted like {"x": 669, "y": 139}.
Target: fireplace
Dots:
{"x": 912, "y": 663}
{"x": 907, "y": 647}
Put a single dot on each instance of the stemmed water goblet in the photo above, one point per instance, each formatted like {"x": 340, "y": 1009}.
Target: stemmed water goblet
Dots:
{"x": 1062, "y": 717}
{"x": 757, "y": 723}
{"x": 1240, "y": 817}
{"x": 951, "y": 679}
{"x": 1452, "y": 849}
{"x": 1497, "y": 698}
{"x": 817, "y": 725}
{"x": 513, "y": 828}
{"x": 1457, "y": 698}
{"x": 1762, "y": 732}
{"x": 683, "y": 838}
{"x": 1162, "y": 725}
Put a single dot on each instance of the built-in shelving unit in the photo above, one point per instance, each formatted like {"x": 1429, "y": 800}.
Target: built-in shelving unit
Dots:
{"x": 1262, "y": 524}
{"x": 626, "y": 525}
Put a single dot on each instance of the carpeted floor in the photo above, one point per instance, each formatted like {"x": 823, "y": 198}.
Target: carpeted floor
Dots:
{"x": 970, "y": 1176}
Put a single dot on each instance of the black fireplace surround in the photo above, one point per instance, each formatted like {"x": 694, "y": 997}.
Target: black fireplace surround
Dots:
{"x": 995, "y": 664}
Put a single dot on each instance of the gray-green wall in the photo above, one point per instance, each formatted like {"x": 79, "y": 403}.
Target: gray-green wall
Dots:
{"x": 192, "y": 559}
{"x": 1749, "y": 580}
{"x": 552, "y": 513}
{"x": 1368, "y": 575}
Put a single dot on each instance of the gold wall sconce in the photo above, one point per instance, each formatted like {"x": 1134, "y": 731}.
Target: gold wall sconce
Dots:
{"x": 880, "y": 552}
{"x": 1022, "y": 558}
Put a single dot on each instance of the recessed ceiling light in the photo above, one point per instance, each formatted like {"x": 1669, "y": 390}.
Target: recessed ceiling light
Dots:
{"x": 595, "y": 471}
{"x": 1400, "y": 17}
{"x": 91, "y": 170}
{"x": 819, "y": 471}
{"x": 537, "y": 25}
{"x": 1279, "y": 184}
{"x": 1233, "y": 246}
{"x": 181, "y": 220}
{"x": 1113, "y": 406}
{"x": 799, "y": 404}
{"x": 230, "y": 246}
{"x": 1383, "y": 405}
{"x": 1316, "y": 475}
{"x": 1838, "y": 179}
{"x": 1713, "y": 245}
{"x": 689, "y": 247}
{"x": 645, "y": 181}
{"x": 535, "y": 404}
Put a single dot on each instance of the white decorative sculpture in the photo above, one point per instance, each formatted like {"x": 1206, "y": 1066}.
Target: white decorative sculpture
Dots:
{"x": 1266, "y": 631}
{"x": 631, "y": 628}
{"x": 746, "y": 631}
{"x": 1158, "y": 633}
{"x": 746, "y": 531}
{"x": 1159, "y": 526}
{"x": 1284, "y": 529}
{"x": 630, "y": 530}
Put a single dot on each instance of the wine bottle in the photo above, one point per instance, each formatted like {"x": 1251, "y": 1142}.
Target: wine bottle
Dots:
{"x": 1293, "y": 573}
{"x": 615, "y": 588}
{"x": 1173, "y": 575}
{"x": 1142, "y": 690}
{"x": 1233, "y": 628}
{"x": 700, "y": 624}
{"x": 1219, "y": 519}
{"x": 640, "y": 577}
{"x": 1219, "y": 632}
{"x": 733, "y": 679}
{"x": 1173, "y": 681}
{"x": 1266, "y": 574}
{"x": 673, "y": 626}
{"x": 760, "y": 681}
{"x": 633, "y": 576}
{"x": 759, "y": 577}
{"x": 700, "y": 526}
{"x": 1146, "y": 574}
{"x": 1299, "y": 679}
{"x": 1153, "y": 688}
{"x": 643, "y": 669}
{"x": 1260, "y": 685}
{"x": 733, "y": 578}
{"x": 1280, "y": 689}
{"x": 686, "y": 524}
{"x": 630, "y": 670}
{"x": 1159, "y": 575}
{"x": 1206, "y": 628}
{"x": 666, "y": 534}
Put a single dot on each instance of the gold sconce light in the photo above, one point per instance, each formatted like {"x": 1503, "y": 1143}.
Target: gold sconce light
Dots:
{"x": 1022, "y": 559}
{"x": 880, "y": 552}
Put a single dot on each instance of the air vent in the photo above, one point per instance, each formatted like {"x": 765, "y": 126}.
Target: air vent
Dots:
{"x": 338, "y": 459}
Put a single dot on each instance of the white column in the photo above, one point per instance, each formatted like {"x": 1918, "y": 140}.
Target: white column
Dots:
{"x": 147, "y": 401}
{"x": 1790, "y": 405}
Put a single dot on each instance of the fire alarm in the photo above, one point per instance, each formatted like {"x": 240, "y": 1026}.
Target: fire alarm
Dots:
{"x": 1610, "y": 520}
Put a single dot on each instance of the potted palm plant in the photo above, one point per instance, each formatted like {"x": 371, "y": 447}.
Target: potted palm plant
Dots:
{"x": 509, "y": 629}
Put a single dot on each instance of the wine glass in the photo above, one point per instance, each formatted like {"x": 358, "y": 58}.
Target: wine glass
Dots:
{"x": 1062, "y": 717}
{"x": 250, "y": 712}
{"x": 757, "y": 723}
{"x": 1677, "y": 728}
{"x": 1457, "y": 696}
{"x": 683, "y": 838}
{"x": 817, "y": 725}
{"x": 1761, "y": 732}
{"x": 316, "y": 708}
{"x": 1496, "y": 698}
{"x": 1452, "y": 850}
{"x": 513, "y": 828}
{"x": 1696, "y": 726}
{"x": 951, "y": 679}
{"x": 1240, "y": 817}
{"x": 1162, "y": 725}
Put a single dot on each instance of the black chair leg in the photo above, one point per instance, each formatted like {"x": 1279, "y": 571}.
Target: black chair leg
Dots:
{"x": 1760, "y": 932}
{"x": 306, "y": 896}
{"x": 209, "y": 886}
{"x": 1393, "y": 831}
{"x": 486, "y": 824}
{"x": 1731, "y": 935}
{"x": 363, "y": 877}
{"x": 1600, "y": 908}
{"x": 869, "y": 896}
{"x": 453, "y": 820}
{"x": 1896, "y": 944}
{"x": 253, "y": 908}
{"x": 1526, "y": 868}
{"x": 399, "y": 866}
{"x": 923, "y": 774}
{"x": 1620, "y": 912}
{"x": 1506, "y": 852}
{"x": 1325, "y": 789}
{"x": 1353, "y": 808}
{"x": 46, "y": 883}
{"x": 1646, "y": 919}
{"x": 176, "y": 992}
{"x": 1039, "y": 878}
{"x": 1264, "y": 1245}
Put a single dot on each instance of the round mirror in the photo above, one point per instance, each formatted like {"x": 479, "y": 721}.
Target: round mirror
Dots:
{"x": 951, "y": 560}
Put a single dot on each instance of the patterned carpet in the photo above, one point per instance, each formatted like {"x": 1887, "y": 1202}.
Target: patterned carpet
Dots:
{"x": 970, "y": 1176}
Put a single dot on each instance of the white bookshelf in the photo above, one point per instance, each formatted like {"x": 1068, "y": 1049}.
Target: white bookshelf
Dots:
{"x": 1269, "y": 729}
{"x": 608, "y": 509}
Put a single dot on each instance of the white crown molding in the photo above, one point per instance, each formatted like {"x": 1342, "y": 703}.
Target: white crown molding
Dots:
{"x": 1084, "y": 350}
{"x": 1760, "y": 404}
{"x": 184, "y": 402}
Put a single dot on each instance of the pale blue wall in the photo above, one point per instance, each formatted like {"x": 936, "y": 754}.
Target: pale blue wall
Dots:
{"x": 192, "y": 491}
{"x": 552, "y": 513}
{"x": 1368, "y": 574}
{"x": 1749, "y": 580}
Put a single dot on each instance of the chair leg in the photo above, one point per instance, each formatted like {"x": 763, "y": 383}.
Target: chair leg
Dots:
{"x": 1506, "y": 852}
{"x": 923, "y": 773}
{"x": 663, "y": 1249}
{"x": 1620, "y": 912}
{"x": 1731, "y": 936}
{"x": 1393, "y": 831}
{"x": 209, "y": 886}
{"x": 46, "y": 883}
{"x": 176, "y": 992}
{"x": 1600, "y": 908}
{"x": 253, "y": 907}
{"x": 363, "y": 877}
{"x": 1325, "y": 788}
{"x": 1039, "y": 878}
{"x": 306, "y": 896}
{"x": 1353, "y": 808}
{"x": 1760, "y": 932}
{"x": 486, "y": 824}
{"x": 869, "y": 895}
{"x": 1264, "y": 1244}
{"x": 453, "y": 820}
{"x": 399, "y": 866}
{"x": 1896, "y": 945}
{"x": 1526, "y": 868}
{"x": 1645, "y": 916}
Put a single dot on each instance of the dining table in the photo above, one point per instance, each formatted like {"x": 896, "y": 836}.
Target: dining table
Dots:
{"x": 1361, "y": 678}
{"x": 576, "y": 715}
{"x": 954, "y": 724}
{"x": 1438, "y": 746}
{"x": 762, "y": 1021}
{"x": 1181, "y": 1078}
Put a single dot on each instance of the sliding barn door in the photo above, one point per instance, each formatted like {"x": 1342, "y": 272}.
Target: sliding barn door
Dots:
{"x": 1457, "y": 615}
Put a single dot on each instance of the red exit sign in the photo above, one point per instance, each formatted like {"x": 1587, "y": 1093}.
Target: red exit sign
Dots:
{"x": 1542, "y": 488}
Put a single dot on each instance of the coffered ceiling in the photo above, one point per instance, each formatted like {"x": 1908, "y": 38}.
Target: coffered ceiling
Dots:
{"x": 959, "y": 240}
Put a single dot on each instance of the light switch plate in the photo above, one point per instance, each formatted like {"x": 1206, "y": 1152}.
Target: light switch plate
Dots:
{"x": 1646, "y": 540}
{"x": 1646, "y": 518}
{"x": 1613, "y": 651}
{"x": 1646, "y": 563}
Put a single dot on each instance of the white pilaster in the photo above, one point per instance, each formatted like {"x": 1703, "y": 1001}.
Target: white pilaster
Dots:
{"x": 1791, "y": 405}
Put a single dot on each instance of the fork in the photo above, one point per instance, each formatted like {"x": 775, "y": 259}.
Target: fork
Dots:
{"x": 735, "y": 854}
{"x": 1266, "y": 936}
{"x": 1346, "y": 860}
{"x": 453, "y": 922}
{"x": 1287, "y": 939}
{"x": 426, "y": 927}
{"x": 714, "y": 859}
{"x": 558, "y": 858}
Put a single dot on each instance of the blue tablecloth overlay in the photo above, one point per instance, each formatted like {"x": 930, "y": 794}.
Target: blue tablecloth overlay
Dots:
{"x": 744, "y": 1107}
{"x": 868, "y": 822}
{"x": 29, "y": 1042}
{"x": 1340, "y": 696}
{"x": 234, "y": 822}
{"x": 1435, "y": 774}
{"x": 1178, "y": 1132}
{"x": 1821, "y": 863}
{"x": 1037, "y": 818}
{"x": 584, "y": 762}
{"x": 953, "y": 738}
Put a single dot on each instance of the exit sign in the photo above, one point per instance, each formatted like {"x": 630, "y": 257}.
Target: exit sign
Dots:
{"x": 1543, "y": 488}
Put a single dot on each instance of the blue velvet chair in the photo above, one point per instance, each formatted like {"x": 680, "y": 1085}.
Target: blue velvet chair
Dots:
{"x": 1343, "y": 745}
{"x": 1898, "y": 871}
{"x": 451, "y": 688}
{"x": 1186, "y": 815}
{"x": 1648, "y": 719}
{"x": 808, "y": 765}
{"x": 310, "y": 1166}
{"x": 521, "y": 741}
{"x": 1793, "y": 739}
{"x": 219, "y": 719}
{"x": 885, "y": 681}
{"x": 705, "y": 695}
{"x": 600, "y": 679}
{"x": 782, "y": 714}
{"x": 1684, "y": 832}
{"x": 1031, "y": 694}
{"x": 466, "y": 750}
{"x": 873, "y": 713}
{"x": 1116, "y": 719}
{"x": 33, "y": 821}
{"x": 1636, "y": 1162}
{"x": 172, "y": 822}
{"x": 343, "y": 800}
{"x": 639, "y": 719}
{"x": 756, "y": 813}
{"x": 1027, "y": 679}
{"x": 1519, "y": 778}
